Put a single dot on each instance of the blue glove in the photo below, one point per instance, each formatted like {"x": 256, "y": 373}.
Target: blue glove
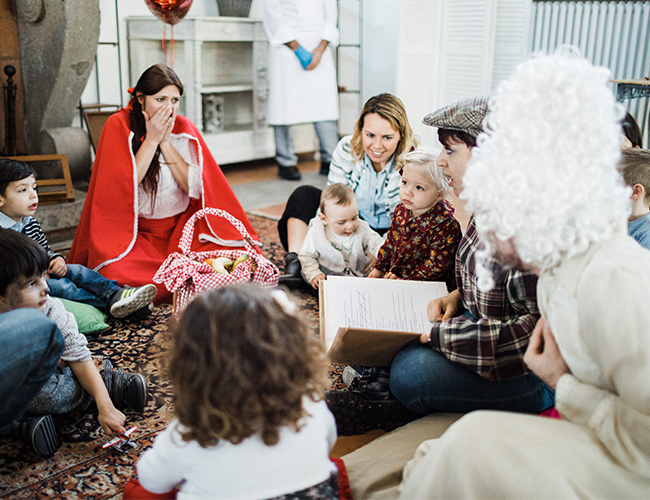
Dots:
{"x": 303, "y": 55}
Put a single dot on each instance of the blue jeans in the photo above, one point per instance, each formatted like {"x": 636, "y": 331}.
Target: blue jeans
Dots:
{"x": 425, "y": 381}
{"x": 285, "y": 155}
{"x": 30, "y": 348}
{"x": 80, "y": 284}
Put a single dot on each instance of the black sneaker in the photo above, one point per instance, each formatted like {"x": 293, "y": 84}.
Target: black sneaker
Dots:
{"x": 289, "y": 173}
{"x": 356, "y": 414}
{"x": 127, "y": 390}
{"x": 38, "y": 433}
{"x": 292, "y": 275}
{"x": 129, "y": 300}
{"x": 374, "y": 383}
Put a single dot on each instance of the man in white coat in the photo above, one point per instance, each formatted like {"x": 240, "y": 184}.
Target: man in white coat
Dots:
{"x": 302, "y": 86}
{"x": 546, "y": 194}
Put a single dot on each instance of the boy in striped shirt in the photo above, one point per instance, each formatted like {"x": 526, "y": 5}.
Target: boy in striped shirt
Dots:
{"x": 18, "y": 203}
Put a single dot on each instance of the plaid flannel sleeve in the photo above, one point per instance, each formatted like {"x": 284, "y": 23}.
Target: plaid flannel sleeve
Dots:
{"x": 491, "y": 347}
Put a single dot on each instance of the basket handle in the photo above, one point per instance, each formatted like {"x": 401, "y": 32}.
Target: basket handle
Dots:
{"x": 185, "y": 243}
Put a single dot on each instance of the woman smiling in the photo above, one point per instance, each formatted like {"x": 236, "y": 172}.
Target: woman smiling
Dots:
{"x": 367, "y": 161}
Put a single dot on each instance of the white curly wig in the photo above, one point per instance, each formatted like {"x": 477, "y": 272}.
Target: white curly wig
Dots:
{"x": 544, "y": 170}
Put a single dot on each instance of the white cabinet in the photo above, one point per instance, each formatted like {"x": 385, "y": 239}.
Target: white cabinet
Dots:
{"x": 223, "y": 64}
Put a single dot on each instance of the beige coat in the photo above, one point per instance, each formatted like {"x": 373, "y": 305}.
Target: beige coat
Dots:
{"x": 597, "y": 307}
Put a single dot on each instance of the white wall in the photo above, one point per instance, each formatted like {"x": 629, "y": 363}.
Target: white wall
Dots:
{"x": 381, "y": 26}
{"x": 418, "y": 62}
{"x": 381, "y": 33}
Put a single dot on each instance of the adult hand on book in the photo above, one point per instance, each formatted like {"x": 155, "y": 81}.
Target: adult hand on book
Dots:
{"x": 443, "y": 308}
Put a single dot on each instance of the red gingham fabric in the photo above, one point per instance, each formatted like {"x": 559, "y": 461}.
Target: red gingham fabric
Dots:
{"x": 188, "y": 275}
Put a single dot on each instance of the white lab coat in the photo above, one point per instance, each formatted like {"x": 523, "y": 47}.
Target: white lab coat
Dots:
{"x": 297, "y": 95}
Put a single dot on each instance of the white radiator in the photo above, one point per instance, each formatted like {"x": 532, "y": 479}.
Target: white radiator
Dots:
{"x": 611, "y": 34}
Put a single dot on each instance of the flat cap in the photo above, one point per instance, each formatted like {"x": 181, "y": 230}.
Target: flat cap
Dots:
{"x": 466, "y": 115}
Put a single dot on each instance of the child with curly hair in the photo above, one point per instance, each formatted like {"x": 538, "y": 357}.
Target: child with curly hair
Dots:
{"x": 250, "y": 422}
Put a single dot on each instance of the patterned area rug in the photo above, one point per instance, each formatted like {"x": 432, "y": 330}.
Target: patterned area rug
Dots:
{"x": 81, "y": 468}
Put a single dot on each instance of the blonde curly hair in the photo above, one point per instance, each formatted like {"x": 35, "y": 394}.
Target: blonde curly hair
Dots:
{"x": 544, "y": 172}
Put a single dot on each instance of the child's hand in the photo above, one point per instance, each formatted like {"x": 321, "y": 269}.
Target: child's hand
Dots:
{"x": 58, "y": 267}
{"x": 316, "y": 281}
{"x": 371, "y": 263}
{"x": 391, "y": 276}
{"x": 376, "y": 273}
{"x": 112, "y": 420}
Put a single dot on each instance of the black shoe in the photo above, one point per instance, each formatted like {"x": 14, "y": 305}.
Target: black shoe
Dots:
{"x": 38, "y": 433}
{"x": 125, "y": 389}
{"x": 356, "y": 414}
{"x": 374, "y": 383}
{"x": 289, "y": 173}
{"x": 324, "y": 168}
{"x": 292, "y": 275}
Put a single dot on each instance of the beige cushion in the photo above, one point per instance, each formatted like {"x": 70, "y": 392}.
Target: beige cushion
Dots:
{"x": 375, "y": 470}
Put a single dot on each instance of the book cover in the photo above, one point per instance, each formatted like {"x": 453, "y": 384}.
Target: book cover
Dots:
{"x": 368, "y": 321}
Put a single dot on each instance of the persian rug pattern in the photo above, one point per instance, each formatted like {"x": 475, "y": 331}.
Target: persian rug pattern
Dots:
{"x": 81, "y": 468}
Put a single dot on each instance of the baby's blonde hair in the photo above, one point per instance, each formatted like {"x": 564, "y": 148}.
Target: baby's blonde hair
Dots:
{"x": 424, "y": 159}
{"x": 337, "y": 193}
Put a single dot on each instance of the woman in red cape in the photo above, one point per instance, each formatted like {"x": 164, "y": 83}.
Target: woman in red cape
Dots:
{"x": 152, "y": 171}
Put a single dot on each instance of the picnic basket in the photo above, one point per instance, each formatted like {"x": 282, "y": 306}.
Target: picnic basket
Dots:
{"x": 186, "y": 275}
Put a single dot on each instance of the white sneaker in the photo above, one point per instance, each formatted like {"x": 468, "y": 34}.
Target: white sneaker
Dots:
{"x": 129, "y": 300}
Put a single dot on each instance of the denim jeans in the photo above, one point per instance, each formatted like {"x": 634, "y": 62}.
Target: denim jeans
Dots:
{"x": 285, "y": 155}
{"x": 425, "y": 381}
{"x": 81, "y": 284}
{"x": 30, "y": 348}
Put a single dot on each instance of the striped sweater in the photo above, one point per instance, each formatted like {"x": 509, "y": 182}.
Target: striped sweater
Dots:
{"x": 33, "y": 229}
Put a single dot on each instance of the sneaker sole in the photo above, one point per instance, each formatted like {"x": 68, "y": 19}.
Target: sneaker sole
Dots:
{"x": 356, "y": 415}
{"x": 138, "y": 300}
{"x": 44, "y": 439}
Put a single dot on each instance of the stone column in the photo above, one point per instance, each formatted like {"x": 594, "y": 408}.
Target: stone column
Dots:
{"x": 58, "y": 44}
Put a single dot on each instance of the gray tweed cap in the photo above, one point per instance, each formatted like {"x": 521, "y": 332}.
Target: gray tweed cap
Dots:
{"x": 466, "y": 115}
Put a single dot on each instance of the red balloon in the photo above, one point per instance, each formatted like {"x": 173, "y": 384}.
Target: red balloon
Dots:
{"x": 169, "y": 11}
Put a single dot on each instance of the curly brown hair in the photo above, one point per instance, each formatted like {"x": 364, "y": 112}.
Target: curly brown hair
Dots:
{"x": 240, "y": 365}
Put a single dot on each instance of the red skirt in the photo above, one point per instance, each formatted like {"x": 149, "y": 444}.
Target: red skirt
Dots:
{"x": 152, "y": 246}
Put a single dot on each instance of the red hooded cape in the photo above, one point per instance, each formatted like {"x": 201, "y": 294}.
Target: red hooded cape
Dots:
{"x": 114, "y": 241}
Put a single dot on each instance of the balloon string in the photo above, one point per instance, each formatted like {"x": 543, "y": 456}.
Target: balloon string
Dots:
{"x": 164, "y": 43}
{"x": 172, "y": 49}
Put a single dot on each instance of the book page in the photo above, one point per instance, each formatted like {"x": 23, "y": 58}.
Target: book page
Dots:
{"x": 377, "y": 304}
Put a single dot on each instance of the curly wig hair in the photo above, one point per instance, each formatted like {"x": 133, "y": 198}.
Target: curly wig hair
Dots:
{"x": 391, "y": 109}
{"x": 544, "y": 173}
{"x": 240, "y": 365}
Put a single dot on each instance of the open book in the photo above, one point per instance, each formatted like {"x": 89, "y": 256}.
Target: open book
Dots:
{"x": 368, "y": 321}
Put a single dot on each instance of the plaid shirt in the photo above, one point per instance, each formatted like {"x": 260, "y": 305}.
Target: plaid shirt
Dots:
{"x": 492, "y": 344}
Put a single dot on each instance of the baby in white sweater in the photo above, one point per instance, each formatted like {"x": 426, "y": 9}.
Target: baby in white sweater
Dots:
{"x": 338, "y": 242}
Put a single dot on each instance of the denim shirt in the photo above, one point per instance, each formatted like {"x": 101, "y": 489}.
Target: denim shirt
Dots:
{"x": 371, "y": 194}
